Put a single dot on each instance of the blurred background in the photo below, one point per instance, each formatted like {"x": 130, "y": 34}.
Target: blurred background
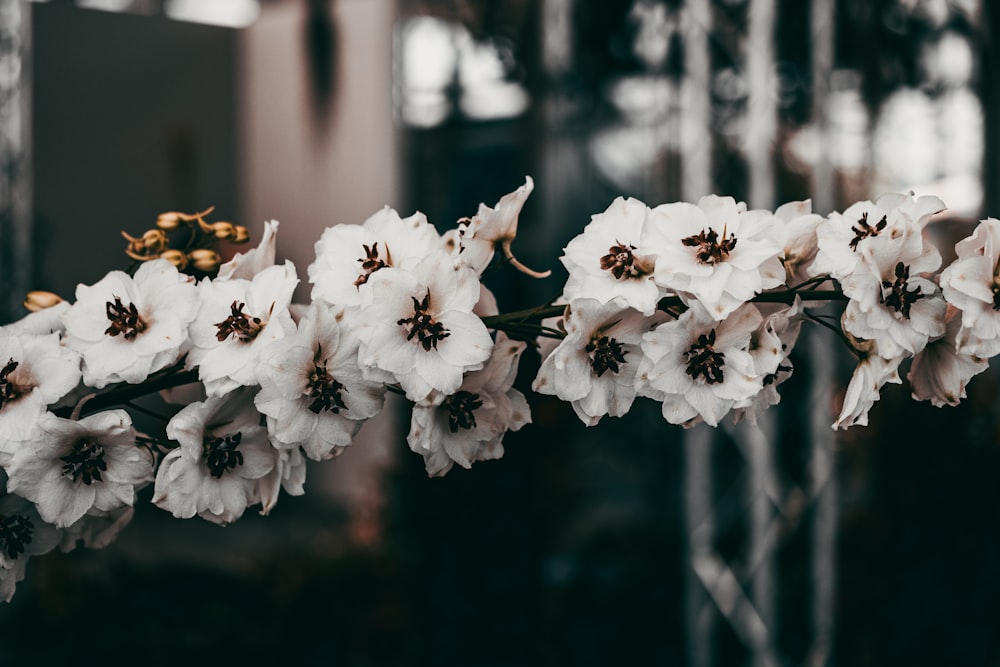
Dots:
{"x": 633, "y": 542}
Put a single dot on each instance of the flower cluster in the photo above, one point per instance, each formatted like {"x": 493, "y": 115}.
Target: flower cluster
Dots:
{"x": 695, "y": 306}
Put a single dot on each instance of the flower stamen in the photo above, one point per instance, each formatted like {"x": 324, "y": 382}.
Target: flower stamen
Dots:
{"x": 897, "y": 297}
{"x": 370, "y": 263}
{"x": 621, "y": 262}
{"x": 9, "y": 390}
{"x": 85, "y": 462}
{"x": 711, "y": 250}
{"x": 863, "y": 230}
{"x": 702, "y": 360}
{"x": 324, "y": 390}
{"x": 239, "y": 325}
{"x": 221, "y": 454}
{"x": 606, "y": 354}
{"x": 124, "y": 321}
{"x": 422, "y": 325}
{"x": 460, "y": 407}
{"x": 15, "y": 533}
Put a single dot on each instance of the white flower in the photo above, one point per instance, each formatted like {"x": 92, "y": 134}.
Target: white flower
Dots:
{"x": 418, "y": 327}
{"x": 36, "y": 370}
{"x": 888, "y": 304}
{"x": 289, "y": 473}
{"x": 224, "y": 452}
{"x": 799, "y": 234}
{"x": 872, "y": 372}
{"x": 22, "y": 534}
{"x": 348, "y": 255}
{"x": 699, "y": 367}
{"x": 312, "y": 389}
{"x": 716, "y": 252}
{"x": 246, "y": 265}
{"x": 72, "y": 468}
{"x": 492, "y": 227}
{"x": 886, "y": 231}
{"x": 594, "y": 366}
{"x": 469, "y": 424}
{"x": 940, "y": 373}
{"x": 45, "y": 321}
{"x": 96, "y": 532}
{"x": 236, "y": 321}
{"x": 128, "y": 327}
{"x": 607, "y": 260}
{"x": 972, "y": 284}
{"x": 770, "y": 347}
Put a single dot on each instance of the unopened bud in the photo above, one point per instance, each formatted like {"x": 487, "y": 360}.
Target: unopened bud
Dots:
{"x": 204, "y": 259}
{"x": 224, "y": 230}
{"x": 242, "y": 234}
{"x": 39, "y": 300}
{"x": 170, "y": 221}
{"x": 154, "y": 240}
{"x": 175, "y": 257}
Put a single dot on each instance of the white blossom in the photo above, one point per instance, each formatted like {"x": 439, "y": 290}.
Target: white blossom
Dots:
{"x": 126, "y": 327}
{"x": 469, "y": 424}
{"x": 939, "y": 373}
{"x": 873, "y": 371}
{"x": 608, "y": 261}
{"x": 717, "y": 252}
{"x": 312, "y": 388}
{"x": 495, "y": 227}
{"x": 246, "y": 265}
{"x": 222, "y": 456}
{"x": 418, "y": 328}
{"x": 71, "y": 468}
{"x": 771, "y": 346}
{"x": 700, "y": 368}
{"x": 23, "y": 534}
{"x": 972, "y": 284}
{"x": 236, "y": 321}
{"x": 347, "y": 256}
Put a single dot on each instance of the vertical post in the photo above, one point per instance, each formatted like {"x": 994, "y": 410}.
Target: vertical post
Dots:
{"x": 822, "y": 25}
{"x": 696, "y": 110}
{"x": 699, "y": 613}
{"x": 762, "y": 105}
{"x": 15, "y": 151}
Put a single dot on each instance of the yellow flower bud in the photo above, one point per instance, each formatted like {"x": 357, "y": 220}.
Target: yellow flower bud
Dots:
{"x": 204, "y": 259}
{"x": 224, "y": 230}
{"x": 37, "y": 300}
{"x": 154, "y": 240}
{"x": 175, "y": 257}
{"x": 242, "y": 234}
{"x": 170, "y": 221}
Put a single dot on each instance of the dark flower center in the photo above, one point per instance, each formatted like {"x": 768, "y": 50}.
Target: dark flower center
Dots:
{"x": 221, "y": 454}
{"x": 324, "y": 390}
{"x": 703, "y": 361}
{"x": 711, "y": 249}
{"x": 621, "y": 262}
{"x": 996, "y": 306}
{"x": 894, "y": 294}
{"x": 85, "y": 462}
{"x": 239, "y": 325}
{"x": 15, "y": 533}
{"x": 370, "y": 263}
{"x": 124, "y": 320}
{"x": 606, "y": 354}
{"x": 422, "y": 325}
{"x": 9, "y": 390}
{"x": 460, "y": 407}
{"x": 863, "y": 230}
{"x": 770, "y": 378}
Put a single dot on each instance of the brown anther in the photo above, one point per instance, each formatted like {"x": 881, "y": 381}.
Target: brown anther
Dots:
{"x": 124, "y": 319}
{"x": 15, "y": 534}
{"x": 221, "y": 454}
{"x": 370, "y": 263}
{"x": 863, "y": 230}
{"x": 461, "y": 406}
{"x": 703, "y": 361}
{"x": 711, "y": 250}
{"x": 241, "y": 326}
{"x": 606, "y": 354}
{"x": 85, "y": 462}
{"x": 324, "y": 389}
{"x": 9, "y": 390}
{"x": 422, "y": 325}
{"x": 894, "y": 294}
{"x": 621, "y": 262}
